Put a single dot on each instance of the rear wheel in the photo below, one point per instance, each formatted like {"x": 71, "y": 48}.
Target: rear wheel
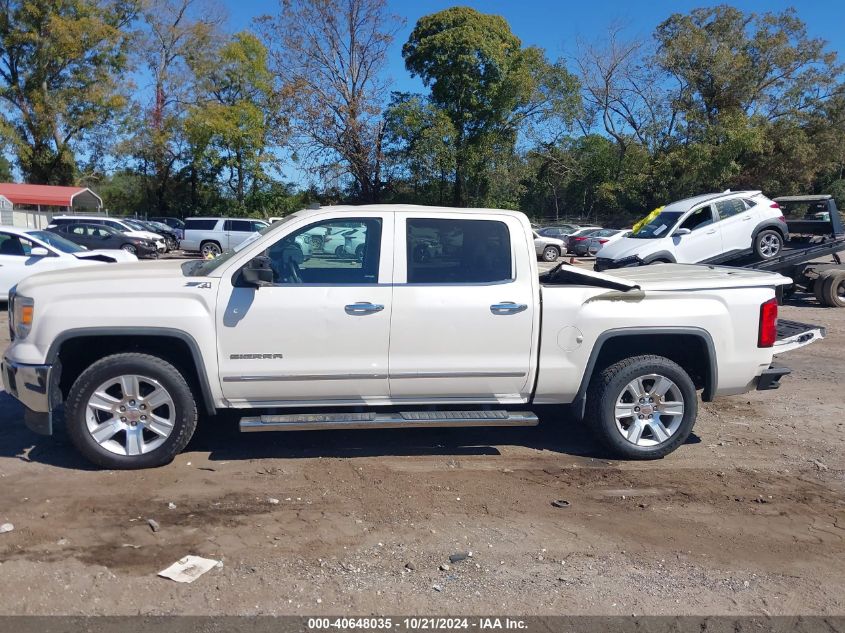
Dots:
{"x": 768, "y": 244}
{"x": 818, "y": 287}
{"x": 550, "y": 254}
{"x": 833, "y": 289}
{"x": 130, "y": 411}
{"x": 642, "y": 407}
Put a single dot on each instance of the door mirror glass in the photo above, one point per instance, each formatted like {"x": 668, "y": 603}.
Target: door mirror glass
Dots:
{"x": 258, "y": 272}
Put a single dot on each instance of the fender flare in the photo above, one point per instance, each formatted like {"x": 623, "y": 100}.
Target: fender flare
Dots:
{"x": 579, "y": 404}
{"x": 158, "y": 332}
{"x": 660, "y": 255}
{"x": 774, "y": 225}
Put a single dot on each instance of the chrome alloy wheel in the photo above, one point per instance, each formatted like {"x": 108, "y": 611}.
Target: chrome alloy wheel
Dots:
{"x": 649, "y": 410}
{"x": 130, "y": 415}
{"x": 769, "y": 245}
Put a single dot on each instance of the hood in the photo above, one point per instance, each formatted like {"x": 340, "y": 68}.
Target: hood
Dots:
{"x": 629, "y": 247}
{"x": 107, "y": 255}
{"x": 107, "y": 280}
{"x": 667, "y": 277}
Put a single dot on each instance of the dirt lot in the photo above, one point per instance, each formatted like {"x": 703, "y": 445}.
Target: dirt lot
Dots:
{"x": 748, "y": 518}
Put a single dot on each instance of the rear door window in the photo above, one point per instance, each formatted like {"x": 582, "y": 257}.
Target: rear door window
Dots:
{"x": 730, "y": 208}
{"x": 444, "y": 251}
{"x": 200, "y": 225}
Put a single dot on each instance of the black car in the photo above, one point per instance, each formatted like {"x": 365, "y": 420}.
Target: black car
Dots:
{"x": 97, "y": 236}
{"x": 173, "y": 223}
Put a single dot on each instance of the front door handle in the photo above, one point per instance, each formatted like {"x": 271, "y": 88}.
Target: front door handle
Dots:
{"x": 363, "y": 307}
{"x": 508, "y": 307}
{"x": 746, "y": 218}
{"x": 711, "y": 232}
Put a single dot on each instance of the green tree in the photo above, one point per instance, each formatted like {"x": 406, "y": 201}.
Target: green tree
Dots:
{"x": 237, "y": 119}
{"x": 61, "y": 65}
{"x": 487, "y": 84}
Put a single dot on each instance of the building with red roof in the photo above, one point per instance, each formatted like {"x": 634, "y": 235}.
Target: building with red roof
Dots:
{"x": 35, "y": 205}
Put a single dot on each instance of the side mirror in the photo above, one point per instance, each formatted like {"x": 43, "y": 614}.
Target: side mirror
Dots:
{"x": 258, "y": 272}
{"x": 38, "y": 251}
{"x": 680, "y": 232}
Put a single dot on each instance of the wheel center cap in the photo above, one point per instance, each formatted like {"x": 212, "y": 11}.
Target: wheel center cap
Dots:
{"x": 647, "y": 409}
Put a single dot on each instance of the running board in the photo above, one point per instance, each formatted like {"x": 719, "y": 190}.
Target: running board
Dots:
{"x": 401, "y": 420}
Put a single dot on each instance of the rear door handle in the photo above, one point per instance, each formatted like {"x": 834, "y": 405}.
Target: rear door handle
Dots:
{"x": 746, "y": 218}
{"x": 363, "y": 307}
{"x": 508, "y": 307}
{"x": 711, "y": 232}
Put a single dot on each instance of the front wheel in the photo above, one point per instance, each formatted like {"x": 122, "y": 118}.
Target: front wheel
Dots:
{"x": 130, "y": 411}
{"x": 768, "y": 244}
{"x": 550, "y": 254}
{"x": 130, "y": 248}
{"x": 642, "y": 407}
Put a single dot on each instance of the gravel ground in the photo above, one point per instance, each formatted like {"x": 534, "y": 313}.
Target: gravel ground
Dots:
{"x": 747, "y": 518}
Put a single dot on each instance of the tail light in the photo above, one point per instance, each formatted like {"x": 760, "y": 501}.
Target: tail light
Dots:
{"x": 774, "y": 205}
{"x": 781, "y": 219}
{"x": 768, "y": 324}
{"x": 602, "y": 241}
{"x": 578, "y": 239}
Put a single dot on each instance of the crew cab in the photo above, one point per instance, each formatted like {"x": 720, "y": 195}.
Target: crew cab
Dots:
{"x": 442, "y": 321}
{"x": 708, "y": 229}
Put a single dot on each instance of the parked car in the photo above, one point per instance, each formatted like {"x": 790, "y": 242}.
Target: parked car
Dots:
{"x": 98, "y": 236}
{"x": 707, "y": 229}
{"x": 580, "y": 232}
{"x": 559, "y": 230}
{"x": 174, "y": 223}
{"x": 119, "y": 224}
{"x": 471, "y": 335}
{"x": 24, "y": 252}
{"x": 592, "y": 242}
{"x": 171, "y": 237}
{"x": 211, "y": 236}
{"x": 548, "y": 248}
{"x": 578, "y": 243}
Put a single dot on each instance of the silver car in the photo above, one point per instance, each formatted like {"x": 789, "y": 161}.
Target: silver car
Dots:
{"x": 548, "y": 248}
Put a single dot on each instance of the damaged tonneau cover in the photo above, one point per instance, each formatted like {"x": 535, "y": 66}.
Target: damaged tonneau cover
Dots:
{"x": 665, "y": 277}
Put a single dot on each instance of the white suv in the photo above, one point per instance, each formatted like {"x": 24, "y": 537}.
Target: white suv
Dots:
{"x": 707, "y": 229}
{"x": 212, "y": 236}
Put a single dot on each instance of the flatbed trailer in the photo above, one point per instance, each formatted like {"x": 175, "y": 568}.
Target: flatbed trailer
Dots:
{"x": 816, "y": 232}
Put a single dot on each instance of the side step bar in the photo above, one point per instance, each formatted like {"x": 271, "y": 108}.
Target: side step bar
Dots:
{"x": 401, "y": 420}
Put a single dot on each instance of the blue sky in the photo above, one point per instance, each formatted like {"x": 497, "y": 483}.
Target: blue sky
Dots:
{"x": 557, "y": 25}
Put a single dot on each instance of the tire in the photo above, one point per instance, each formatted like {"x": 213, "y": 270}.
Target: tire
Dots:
{"x": 818, "y": 287}
{"x": 126, "y": 442}
{"x": 768, "y": 244}
{"x": 550, "y": 254}
{"x": 610, "y": 393}
{"x": 129, "y": 248}
{"x": 359, "y": 252}
{"x": 833, "y": 289}
{"x": 340, "y": 252}
{"x": 210, "y": 248}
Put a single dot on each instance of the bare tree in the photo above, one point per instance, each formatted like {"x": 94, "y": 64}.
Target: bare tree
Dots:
{"x": 329, "y": 55}
{"x": 174, "y": 31}
{"x": 624, "y": 94}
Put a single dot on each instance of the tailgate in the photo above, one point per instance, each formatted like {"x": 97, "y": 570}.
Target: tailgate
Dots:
{"x": 792, "y": 335}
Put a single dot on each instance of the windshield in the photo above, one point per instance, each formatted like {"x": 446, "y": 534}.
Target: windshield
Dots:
{"x": 660, "y": 226}
{"x": 134, "y": 224}
{"x": 203, "y": 267}
{"x": 57, "y": 242}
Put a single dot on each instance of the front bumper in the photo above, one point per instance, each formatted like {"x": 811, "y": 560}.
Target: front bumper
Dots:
{"x": 35, "y": 387}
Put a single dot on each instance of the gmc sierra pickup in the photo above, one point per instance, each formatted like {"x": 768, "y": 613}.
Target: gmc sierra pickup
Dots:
{"x": 441, "y": 319}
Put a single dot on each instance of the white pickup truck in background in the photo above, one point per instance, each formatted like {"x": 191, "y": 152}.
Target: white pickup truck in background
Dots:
{"x": 443, "y": 320}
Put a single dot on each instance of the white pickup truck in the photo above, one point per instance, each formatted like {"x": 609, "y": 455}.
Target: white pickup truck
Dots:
{"x": 443, "y": 320}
